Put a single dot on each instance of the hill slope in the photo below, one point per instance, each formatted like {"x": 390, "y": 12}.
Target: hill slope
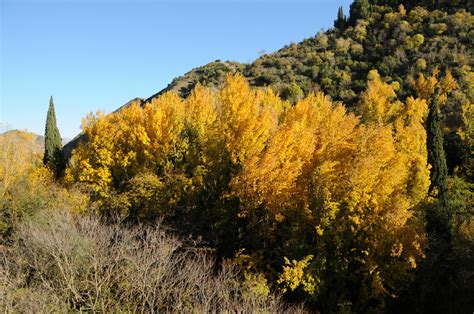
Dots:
{"x": 398, "y": 41}
{"x": 35, "y": 142}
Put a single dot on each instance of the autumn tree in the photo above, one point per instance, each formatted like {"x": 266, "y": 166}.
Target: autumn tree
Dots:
{"x": 26, "y": 185}
{"x": 326, "y": 188}
{"x": 249, "y": 124}
{"x": 17, "y": 159}
{"x": 206, "y": 155}
{"x": 17, "y": 162}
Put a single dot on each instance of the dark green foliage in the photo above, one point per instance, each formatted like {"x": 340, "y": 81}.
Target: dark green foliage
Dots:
{"x": 360, "y": 9}
{"x": 341, "y": 21}
{"x": 293, "y": 93}
{"x": 450, "y": 5}
{"x": 446, "y": 273}
{"x": 438, "y": 215}
{"x": 436, "y": 155}
{"x": 454, "y": 148}
{"x": 52, "y": 142}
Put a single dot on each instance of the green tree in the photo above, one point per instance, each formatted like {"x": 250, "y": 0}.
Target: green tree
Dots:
{"x": 436, "y": 91}
{"x": 340, "y": 23}
{"x": 436, "y": 154}
{"x": 52, "y": 142}
{"x": 293, "y": 92}
{"x": 438, "y": 215}
{"x": 360, "y": 9}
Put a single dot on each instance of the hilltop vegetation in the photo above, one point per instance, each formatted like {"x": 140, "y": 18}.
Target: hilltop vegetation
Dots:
{"x": 399, "y": 41}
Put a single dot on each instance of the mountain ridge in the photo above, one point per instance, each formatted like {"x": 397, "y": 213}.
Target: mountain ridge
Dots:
{"x": 37, "y": 139}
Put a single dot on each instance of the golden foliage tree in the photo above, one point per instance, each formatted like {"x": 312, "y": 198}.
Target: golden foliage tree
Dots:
{"x": 355, "y": 184}
{"x": 249, "y": 120}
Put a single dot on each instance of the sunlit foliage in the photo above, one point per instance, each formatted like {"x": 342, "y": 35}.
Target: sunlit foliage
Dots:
{"x": 312, "y": 178}
{"x": 27, "y": 186}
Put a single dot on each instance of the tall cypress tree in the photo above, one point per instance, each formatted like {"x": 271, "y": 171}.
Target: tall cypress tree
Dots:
{"x": 439, "y": 216}
{"x": 436, "y": 154}
{"x": 340, "y": 23}
{"x": 52, "y": 141}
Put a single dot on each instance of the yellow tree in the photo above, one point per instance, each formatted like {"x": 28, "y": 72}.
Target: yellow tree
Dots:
{"x": 131, "y": 140}
{"x": 378, "y": 102}
{"x": 110, "y": 152}
{"x": 274, "y": 176}
{"x": 313, "y": 183}
{"x": 18, "y": 158}
{"x": 204, "y": 126}
{"x": 380, "y": 106}
{"x": 249, "y": 122}
{"x": 361, "y": 187}
{"x": 164, "y": 121}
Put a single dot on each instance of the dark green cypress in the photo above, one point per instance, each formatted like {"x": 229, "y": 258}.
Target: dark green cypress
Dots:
{"x": 52, "y": 141}
{"x": 340, "y": 23}
{"x": 438, "y": 215}
{"x": 436, "y": 155}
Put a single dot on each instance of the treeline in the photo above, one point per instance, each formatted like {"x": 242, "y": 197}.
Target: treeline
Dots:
{"x": 430, "y": 4}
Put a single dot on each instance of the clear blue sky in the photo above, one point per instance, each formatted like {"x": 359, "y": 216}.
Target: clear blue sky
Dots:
{"x": 93, "y": 55}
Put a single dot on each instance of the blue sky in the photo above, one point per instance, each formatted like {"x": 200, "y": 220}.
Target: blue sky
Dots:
{"x": 93, "y": 55}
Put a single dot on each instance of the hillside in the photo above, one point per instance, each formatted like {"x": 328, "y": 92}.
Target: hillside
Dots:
{"x": 399, "y": 41}
{"x": 36, "y": 142}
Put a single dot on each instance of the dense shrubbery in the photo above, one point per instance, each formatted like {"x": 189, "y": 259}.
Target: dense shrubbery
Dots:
{"x": 26, "y": 186}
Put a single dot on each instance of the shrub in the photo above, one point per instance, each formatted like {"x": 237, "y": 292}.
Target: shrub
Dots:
{"x": 61, "y": 262}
